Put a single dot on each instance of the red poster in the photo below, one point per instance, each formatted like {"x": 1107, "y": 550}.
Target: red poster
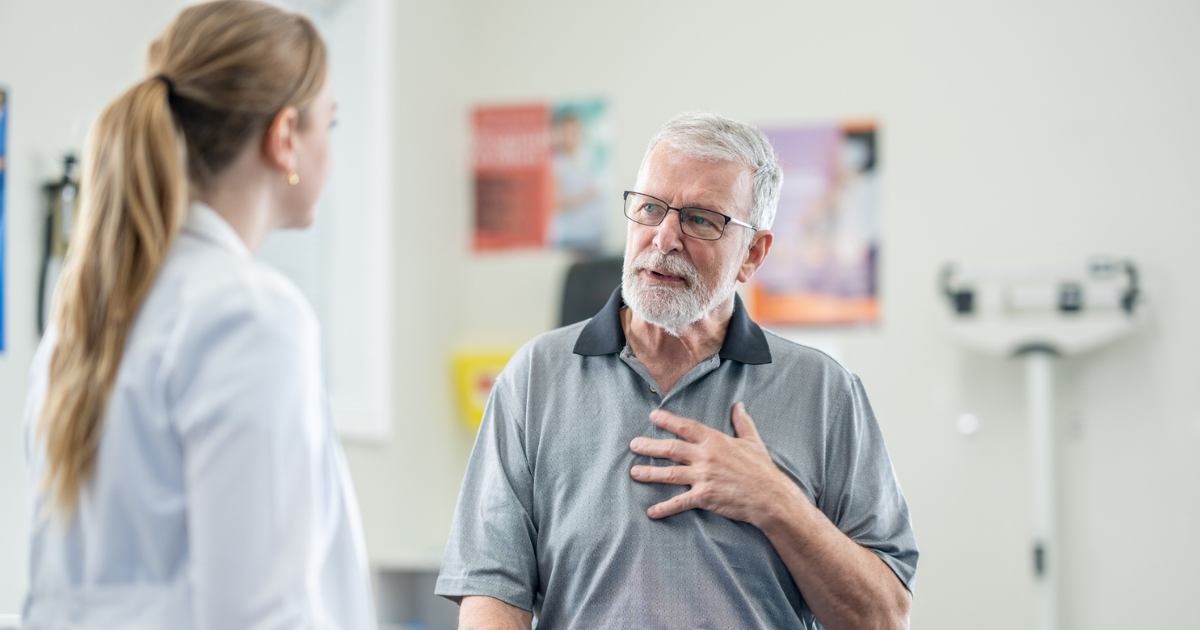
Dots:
{"x": 514, "y": 182}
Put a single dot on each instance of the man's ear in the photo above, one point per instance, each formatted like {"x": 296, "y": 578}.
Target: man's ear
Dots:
{"x": 281, "y": 141}
{"x": 755, "y": 255}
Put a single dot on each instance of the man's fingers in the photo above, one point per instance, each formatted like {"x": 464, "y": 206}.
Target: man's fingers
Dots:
{"x": 743, "y": 425}
{"x": 674, "y": 450}
{"x": 678, "y": 475}
{"x": 674, "y": 505}
{"x": 685, "y": 428}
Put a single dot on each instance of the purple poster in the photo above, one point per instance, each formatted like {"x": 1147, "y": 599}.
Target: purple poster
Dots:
{"x": 822, "y": 268}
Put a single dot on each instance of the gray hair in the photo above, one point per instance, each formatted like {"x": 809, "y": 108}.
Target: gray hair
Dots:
{"x": 719, "y": 139}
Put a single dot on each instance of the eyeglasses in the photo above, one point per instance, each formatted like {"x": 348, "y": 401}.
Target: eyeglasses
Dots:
{"x": 705, "y": 225}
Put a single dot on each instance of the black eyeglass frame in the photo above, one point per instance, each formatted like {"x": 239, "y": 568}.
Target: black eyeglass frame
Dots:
{"x": 728, "y": 219}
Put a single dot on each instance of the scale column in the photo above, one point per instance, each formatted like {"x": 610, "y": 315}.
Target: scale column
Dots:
{"x": 1039, "y": 387}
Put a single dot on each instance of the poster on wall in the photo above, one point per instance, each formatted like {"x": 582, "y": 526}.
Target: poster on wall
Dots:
{"x": 823, "y": 265}
{"x": 541, "y": 175}
{"x": 3, "y": 219}
{"x": 475, "y": 373}
{"x": 581, "y": 139}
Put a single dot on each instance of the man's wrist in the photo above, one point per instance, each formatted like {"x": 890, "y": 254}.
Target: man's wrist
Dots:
{"x": 786, "y": 511}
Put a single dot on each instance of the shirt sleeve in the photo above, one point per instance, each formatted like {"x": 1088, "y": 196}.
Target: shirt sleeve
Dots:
{"x": 492, "y": 546}
{"x": 244, "y": 391}
{"x": 862, "y": 495}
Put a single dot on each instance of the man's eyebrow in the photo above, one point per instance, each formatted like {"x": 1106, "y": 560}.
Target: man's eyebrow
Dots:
{"x": 711, "y": 206}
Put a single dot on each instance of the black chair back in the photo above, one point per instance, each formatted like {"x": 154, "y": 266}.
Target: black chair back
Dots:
{"x": 589, "y": 285}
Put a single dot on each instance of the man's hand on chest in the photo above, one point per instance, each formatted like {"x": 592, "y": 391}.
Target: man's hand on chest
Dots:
{"x": 733, "y": 476}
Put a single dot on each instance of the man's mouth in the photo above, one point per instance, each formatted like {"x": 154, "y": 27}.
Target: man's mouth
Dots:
{"x": 665, "y": 276}
{"x": 666, "y": 272}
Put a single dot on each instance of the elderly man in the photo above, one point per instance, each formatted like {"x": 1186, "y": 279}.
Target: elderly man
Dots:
{"x": 618, "y": 480}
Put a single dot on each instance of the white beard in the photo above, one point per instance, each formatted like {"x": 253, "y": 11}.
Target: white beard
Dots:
{"x": 672, "y": 308}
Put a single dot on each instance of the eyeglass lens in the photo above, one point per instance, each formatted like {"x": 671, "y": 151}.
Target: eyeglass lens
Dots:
{"x": 696, "y": 222}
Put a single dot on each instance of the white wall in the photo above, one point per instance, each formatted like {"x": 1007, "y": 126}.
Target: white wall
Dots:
{"x": 1009, "y": 129}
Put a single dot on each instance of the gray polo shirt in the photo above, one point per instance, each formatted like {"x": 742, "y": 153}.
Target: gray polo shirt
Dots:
{"x": 549, "y": 519}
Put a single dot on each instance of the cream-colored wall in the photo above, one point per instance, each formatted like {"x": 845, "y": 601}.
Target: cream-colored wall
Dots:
{"x": 408, "y": 484}
{"x": 1008, "y": 130}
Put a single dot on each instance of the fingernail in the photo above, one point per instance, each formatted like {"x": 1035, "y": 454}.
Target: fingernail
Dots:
{"x": 636, "y": 443}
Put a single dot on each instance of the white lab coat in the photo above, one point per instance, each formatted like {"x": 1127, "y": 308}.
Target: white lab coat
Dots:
{"x": 220, "y": 498}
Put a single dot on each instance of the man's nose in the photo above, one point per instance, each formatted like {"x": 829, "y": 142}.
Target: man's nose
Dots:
{"x": 668, "y": 235}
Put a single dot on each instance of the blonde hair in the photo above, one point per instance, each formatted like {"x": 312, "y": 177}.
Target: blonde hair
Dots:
{"x": 218, "y": 76}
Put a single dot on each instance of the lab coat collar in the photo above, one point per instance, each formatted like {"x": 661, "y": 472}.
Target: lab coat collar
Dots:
{"x": 205, "y": 223}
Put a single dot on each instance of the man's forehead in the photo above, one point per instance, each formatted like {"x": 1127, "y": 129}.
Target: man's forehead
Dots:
{"x": 695, "y": 180}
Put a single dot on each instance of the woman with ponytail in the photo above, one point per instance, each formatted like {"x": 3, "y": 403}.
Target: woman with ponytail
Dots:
{"x": 185, "y": 469}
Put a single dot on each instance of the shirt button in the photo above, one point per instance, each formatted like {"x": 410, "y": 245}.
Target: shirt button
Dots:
{"x": 653, "y": 391}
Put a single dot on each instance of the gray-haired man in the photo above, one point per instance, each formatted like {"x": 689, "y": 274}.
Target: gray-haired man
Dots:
{"x": 593, "y": 499}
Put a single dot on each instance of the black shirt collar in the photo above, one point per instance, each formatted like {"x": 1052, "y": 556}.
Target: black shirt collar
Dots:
{"x": 744, "y": 340}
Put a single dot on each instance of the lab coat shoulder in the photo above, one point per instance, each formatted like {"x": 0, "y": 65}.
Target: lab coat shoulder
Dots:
{"x": 240, "y": 332}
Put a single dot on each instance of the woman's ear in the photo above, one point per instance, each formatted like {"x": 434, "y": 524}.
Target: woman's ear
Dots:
{"x": 281, "y": 140}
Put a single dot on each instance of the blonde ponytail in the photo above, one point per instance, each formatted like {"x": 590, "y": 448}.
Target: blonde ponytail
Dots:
{"x": 221, "y": 72}
{"x": 133, "y": 200}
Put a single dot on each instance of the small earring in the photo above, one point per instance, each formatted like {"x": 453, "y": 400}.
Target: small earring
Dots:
{"x": 293, "y": 178}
